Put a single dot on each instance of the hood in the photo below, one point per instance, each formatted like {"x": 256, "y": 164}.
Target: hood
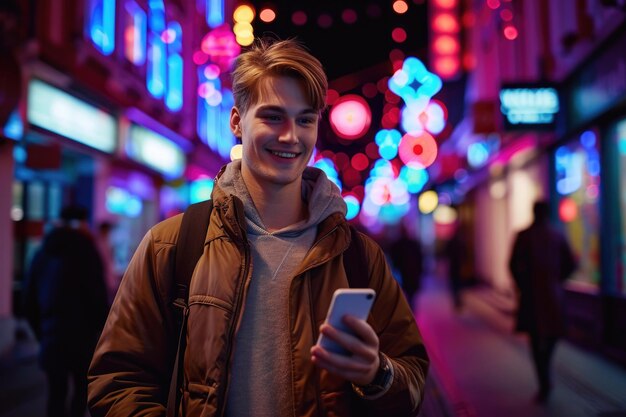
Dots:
{"x": 322, "y": 196}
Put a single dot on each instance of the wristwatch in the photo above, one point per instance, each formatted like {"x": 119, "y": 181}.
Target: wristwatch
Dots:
{"x": 381, "y": 383}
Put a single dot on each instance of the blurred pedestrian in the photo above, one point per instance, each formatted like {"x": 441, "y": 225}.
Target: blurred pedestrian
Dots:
{"x": 406, "y": 255}
{"x": 456, "y": 252}
{"x": 111, "y": 277}
{"x": 65, "y": 302}
{"x": 540, "y": 261}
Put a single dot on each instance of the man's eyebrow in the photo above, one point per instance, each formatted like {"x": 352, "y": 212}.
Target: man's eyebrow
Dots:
{"x": 280, "y": 109}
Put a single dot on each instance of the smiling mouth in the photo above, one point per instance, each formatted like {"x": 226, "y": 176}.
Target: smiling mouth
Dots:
{"x": 287, "y": 155}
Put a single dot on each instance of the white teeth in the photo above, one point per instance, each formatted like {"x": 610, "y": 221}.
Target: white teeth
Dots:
{"x": 284, "y": 154}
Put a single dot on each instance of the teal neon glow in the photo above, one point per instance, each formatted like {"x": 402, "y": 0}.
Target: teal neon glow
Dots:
{"x": 387, "y": 141}
{"x": 621, "y": 137}
{"x": 415, "y": 84}
{"x": 200, "y": 190}
{"x": 119, "y": 201}
{"x": 53, "y": 109}
{"x": 329, "y": 169}
{"x": 101, "y": 25}
{"x": 414, "y": 178}
{"x": 155, "y": 151}
{"x": 174, "y": 97}
{"x": 529, "y": 105}
{"x": 353, "y": 206}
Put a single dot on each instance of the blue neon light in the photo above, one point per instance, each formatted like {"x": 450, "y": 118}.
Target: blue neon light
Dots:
{"x": 137, "y": 24}
{"x": 101, "y": 25}
{"x": 120, "y": 201}
{"x": 157, "y": 53}
{"x": 388, "y": 141}
{"x": 200, "y": 190}
{"x": 174, "y": 97}
{"x": 414, "y": 83}
{"x": 174, "y": 94}
{"x": 156, "y": 75}
{"x": 14, "y": 127}
{"x": 157, "y": 16}
{"x": 588, "y": 139}
{"x": 328, "y": 167}
{"x": 569, "y": 170}
{"x": 214, "y": 13}
{"x": 227, "y": 139}
{"x": 353, "y": 206}
{"x": 414, "y": 178}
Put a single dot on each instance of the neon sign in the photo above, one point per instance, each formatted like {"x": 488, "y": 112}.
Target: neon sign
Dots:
{"x": 529, "y": 106}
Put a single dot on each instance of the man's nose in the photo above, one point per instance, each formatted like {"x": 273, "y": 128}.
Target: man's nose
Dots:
{"x": 289, "y": 133}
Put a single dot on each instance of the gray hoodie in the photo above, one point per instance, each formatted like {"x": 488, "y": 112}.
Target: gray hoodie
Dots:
{"x": 260, "y": 383}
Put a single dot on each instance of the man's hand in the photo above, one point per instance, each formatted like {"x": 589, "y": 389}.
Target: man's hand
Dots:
{"x": 361, "y": 367}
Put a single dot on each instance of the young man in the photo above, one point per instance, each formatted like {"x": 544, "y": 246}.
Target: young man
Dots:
{"x": 260, "y": 292}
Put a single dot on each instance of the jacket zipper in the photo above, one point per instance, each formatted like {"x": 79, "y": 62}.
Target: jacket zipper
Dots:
{"x": 231, "y": 332}
{"x": 318, "y": 388}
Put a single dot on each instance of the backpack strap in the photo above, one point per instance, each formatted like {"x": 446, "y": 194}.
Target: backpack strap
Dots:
{"x": 189, "y": 248}
{"x": 353, "y": 262}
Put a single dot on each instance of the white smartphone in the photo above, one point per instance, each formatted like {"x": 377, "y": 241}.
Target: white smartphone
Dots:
{"x": 354, "y": 301}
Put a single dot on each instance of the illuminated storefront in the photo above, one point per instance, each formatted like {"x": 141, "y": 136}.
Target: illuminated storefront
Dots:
{"x": 64, "y": 139}
{"x": 588, "y": 182}
{"x": 577, "y": 184}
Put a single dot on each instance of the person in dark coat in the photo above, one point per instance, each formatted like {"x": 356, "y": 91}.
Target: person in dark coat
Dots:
{"x": 456, "y": 252}
{"x": 65, "y": 302}
{"x": 540, "y": 261}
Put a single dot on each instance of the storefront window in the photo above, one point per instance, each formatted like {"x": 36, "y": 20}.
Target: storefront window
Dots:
{"x": 577, "y": 168}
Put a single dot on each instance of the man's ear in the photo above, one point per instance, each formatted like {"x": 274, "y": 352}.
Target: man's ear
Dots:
{"x": 235, "y": 122}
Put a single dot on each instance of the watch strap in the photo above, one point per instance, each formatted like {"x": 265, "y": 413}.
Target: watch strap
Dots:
{"x": 381, "y": 383}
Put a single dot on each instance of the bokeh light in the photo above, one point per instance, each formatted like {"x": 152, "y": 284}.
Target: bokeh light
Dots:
{"x": 418, "y": 151}
{"x": 400, "y": 6}
{"x": 428, "y": 201}
{"x": 568, "y": 210}
{"x": 350, "y": 117}
{"x": 267, "y": 15}
{"x": 236, "y": 152}
{"x": 299, "y": 18}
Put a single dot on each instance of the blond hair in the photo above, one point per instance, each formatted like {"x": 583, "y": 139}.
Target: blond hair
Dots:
{"x": 268, "y": 57}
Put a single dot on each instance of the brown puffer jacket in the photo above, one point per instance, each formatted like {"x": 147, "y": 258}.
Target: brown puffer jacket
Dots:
{"x": 131, "y": 368}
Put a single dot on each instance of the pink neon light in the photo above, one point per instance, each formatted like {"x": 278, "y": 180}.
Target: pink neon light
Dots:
{"x": 350, "y": 117}
{"x": 168, "y": 36}
{"x": 221, "y": 47}
{"x": 418, "y": 151}
{"x": 199, "y": 58}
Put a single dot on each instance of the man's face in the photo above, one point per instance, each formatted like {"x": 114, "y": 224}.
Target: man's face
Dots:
{"x": 278, "y": 133}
